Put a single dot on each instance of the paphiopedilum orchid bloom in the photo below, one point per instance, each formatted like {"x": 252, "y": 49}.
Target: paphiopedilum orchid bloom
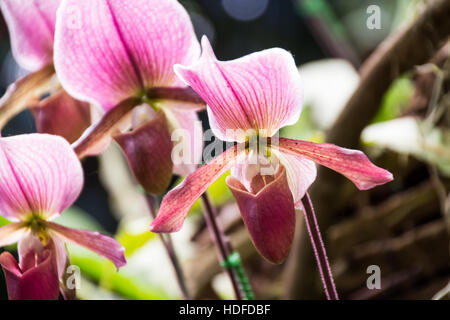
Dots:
{"x": 259, "y": 93}
{"x": 113, "y": 51}
{"x": 31, "y": 25}
{"x": 40, "y": 176}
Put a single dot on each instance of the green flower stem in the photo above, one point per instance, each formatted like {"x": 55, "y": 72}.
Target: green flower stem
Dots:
{"x": 234, "y": 262}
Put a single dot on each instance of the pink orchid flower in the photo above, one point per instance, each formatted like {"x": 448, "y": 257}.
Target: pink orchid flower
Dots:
{"x": 40, "y": 176}
{"x": 261, "y": 92}
{"x": 108, "y": 51}
{"x": 31, "y": 26}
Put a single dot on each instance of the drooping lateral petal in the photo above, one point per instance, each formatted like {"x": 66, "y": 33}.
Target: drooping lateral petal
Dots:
{"x": 269, "y": 216}
{"x": 260, "y": 91}
{"x": 62, "y": 115}
{"x": 115, "y": 49}
{"x": 11, "y": 233}
{"x": 102, "y": 245}
{"x": 38, "y": 282}
{"x": 176, "y": 204}
{"x": 187, "y": 134}
{"x": 353, "y": 164}
{"x": 148, "y": 150}
{"x": 31, "y": 25}
{"x": 301, "y": 173}
{"x": 39, "y": 174}
{"x": 24, "y": 93}
{"x": 179, "y": 97}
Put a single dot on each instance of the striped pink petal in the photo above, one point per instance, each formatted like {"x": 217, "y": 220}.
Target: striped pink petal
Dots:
{"x": 109, "y": 50}
{"x": 31, "y": 25}
{"x": 12, "y": 233}
{"x": 102, "y": 245}
{"x": 39, "y": 174}
{"x": 176, "y": 203}
{"x": 261, "y": 91}
{"x": 301, "y": 173}
{"x": 353, "y": 164}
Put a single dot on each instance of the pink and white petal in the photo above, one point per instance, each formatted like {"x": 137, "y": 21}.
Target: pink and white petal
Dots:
{"x": 269, "y": 216}
{"x": 177, "y": 203}
{"x": 188, "y": 131}
{"x": 260, "y": 91}
{"x": 62, "y": 257}
{"x": 102, "y": 245}
{"x": 31, "y": 25}
{"x": 115, "y": 49}
{"x": 29, "y": 243}
{"x": 12, "y": 233}
{"x": 353, "y": 164}
{"x": 39, "y": 174}
{"x": 161, "y": 34}
{"x": 301, "y": 173}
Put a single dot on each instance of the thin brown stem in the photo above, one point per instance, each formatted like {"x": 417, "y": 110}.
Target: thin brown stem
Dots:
{"x": 319, "y": 249}
{"x": 221, "y": 242}
{"x": 166, "y": 239}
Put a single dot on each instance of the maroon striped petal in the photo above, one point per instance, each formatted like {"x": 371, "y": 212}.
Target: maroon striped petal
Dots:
{"x": 103, "y": 245}
{"x": 12, "y": 233}
{"x": 177, "y": 202}
{"x": 353, "y": 164}
{"x": 269, "y": 216}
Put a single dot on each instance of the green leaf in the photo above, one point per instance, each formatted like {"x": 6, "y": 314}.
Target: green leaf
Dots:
{"x": 3, "y": 221}
{"x": 124, "y": 283}
{"x": 133, "y": 241}
{"x": 395, "y": 100}
{"x": 304, "y": 129}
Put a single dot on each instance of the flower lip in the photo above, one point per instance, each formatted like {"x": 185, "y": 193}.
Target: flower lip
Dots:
{"x": 269, "y": 215}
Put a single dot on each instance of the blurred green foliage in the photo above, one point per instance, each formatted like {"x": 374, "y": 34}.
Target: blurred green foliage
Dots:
{"x": 395, "y": 100}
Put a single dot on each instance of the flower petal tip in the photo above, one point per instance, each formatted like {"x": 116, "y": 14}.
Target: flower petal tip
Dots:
{"x": 160, "y": 227}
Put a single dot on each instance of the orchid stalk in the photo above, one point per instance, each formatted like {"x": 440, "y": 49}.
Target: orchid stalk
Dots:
{"x": 250, "y": 99}
{"x": 40, "y": 176}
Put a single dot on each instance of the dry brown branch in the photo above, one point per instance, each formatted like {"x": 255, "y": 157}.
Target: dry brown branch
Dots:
{"x": 414, "y": 45}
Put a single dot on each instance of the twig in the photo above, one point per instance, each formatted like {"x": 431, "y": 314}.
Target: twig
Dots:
{"x": 222, "y": 243}
{"x": 397, "y": 54}
{"x": 319, "y": 249}
{"x": 166, "y": 239}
